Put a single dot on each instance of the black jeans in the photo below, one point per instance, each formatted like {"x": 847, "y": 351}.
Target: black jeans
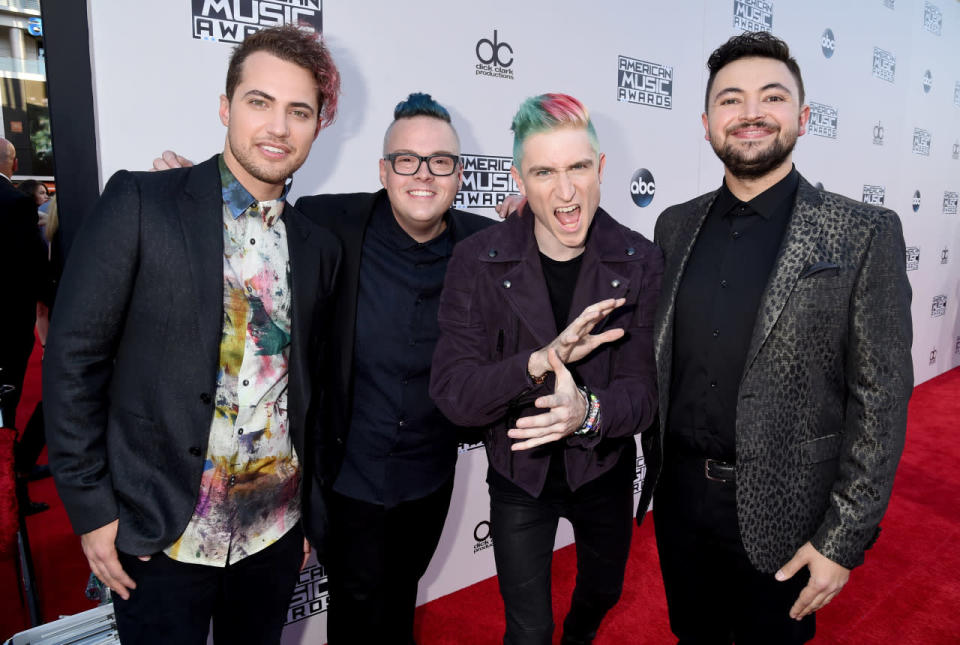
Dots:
{"x": 376, "y": 558}
{"x": 715, "y": 596}
{"x": 524, "y": 529}
{"x": 174, "y": 601}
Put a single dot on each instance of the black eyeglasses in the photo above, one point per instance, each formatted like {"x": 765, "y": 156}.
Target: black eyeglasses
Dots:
{"x": 407, "y": 163}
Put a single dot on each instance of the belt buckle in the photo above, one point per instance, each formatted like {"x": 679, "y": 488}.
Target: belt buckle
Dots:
{"x": 706, "y": 470}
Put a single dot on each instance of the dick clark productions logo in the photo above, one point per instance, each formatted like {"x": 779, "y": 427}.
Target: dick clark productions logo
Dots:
{"x": 495, "y": 56}
{"x": 642, "y": 187}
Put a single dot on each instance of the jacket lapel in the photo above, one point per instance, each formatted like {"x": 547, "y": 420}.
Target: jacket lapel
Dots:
{"x": 599, "y": 278}
{"x": 799, "y": 241}
{"x": 201, "y": 213}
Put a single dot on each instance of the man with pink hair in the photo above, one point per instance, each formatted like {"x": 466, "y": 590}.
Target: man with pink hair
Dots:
{"x": 560, "y": 404}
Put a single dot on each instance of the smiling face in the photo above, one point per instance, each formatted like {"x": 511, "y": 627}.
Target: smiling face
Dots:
{"x": 272, "y": 120}
{"x": 560, "y": 176}
{"x": 754, "y": 116}
{"x": 419, "y": 201}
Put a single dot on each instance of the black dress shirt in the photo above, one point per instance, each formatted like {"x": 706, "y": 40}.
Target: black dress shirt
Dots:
{"x": 716, "y": 309}
{"x": 400, "y": 447}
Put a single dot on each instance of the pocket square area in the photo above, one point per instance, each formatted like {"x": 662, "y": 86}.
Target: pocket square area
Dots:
{"x": 821, "y": 267}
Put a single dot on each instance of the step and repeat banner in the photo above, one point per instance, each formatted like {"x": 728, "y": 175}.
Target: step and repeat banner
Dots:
{"x": 882, "y": 80}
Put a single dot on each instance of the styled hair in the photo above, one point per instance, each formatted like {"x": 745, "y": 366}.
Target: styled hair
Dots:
{"x": 419, "y": 104}
{"x": 29, "y": 187}
{"x": 750, "y": 44}
{"x": 297, "y": 46}
{"x": 549, "y": 112}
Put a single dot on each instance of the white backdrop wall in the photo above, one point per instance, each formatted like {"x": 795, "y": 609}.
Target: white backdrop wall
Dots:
{"x": 882, "y": 76}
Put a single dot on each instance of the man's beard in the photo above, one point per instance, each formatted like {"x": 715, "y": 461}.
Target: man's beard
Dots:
{"x": 275, "y": 176}
{"x": 747, "y": 164}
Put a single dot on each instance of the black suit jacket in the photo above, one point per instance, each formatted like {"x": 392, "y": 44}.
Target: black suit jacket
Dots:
{"x": 347, "y": 215}
{"x": 23, "y": 273}
{"x": 130, "y": 371}
{"x": 822, "y": 404}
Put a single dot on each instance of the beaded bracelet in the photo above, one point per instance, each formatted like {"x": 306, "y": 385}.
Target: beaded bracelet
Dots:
{"x": 591, "y": 423}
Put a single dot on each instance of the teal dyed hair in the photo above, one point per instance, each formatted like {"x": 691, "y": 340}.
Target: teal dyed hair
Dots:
{"x": 419, "y": 104}
{"x": 549, "y": 112}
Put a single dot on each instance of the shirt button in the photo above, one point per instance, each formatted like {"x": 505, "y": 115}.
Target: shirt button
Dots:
{"x": 249, "y": 289}
{"x": 240, "y": 431}
{"x": 723, "y": 284}
{"x": 401, "y": 423}
{"x": 713, "y": 385}
{"x": 233, "y": 479}
{"x": 716, "y": 332}
{"x": 736, "y": 235}
{"x": 253, "y": 241}
{"x": 492, "y": 253}
{"x": 246, "y": 381}
{"x": 614, "y": 283}
{"x": 631, "y": 251}
{"x": 506, "y": 284}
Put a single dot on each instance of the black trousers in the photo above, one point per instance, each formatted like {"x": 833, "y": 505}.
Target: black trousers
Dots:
{"x": 174, "y": 602}
{"x": 715, "y": 596}
{"x": 524, "y": 529}
{"x": 14, "y": 359}
{"x": 377, "y": 556}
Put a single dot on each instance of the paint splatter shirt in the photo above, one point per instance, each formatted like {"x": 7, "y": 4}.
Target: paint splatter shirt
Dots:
{"x": 250, "y": 488}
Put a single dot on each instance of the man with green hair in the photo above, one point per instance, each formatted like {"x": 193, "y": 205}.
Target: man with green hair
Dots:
{"x": 560, "y": 404}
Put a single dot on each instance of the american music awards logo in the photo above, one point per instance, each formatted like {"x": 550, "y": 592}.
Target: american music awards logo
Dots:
{"x": 823, "y": 120}
{"x": 753, "y": 15}
{"x": 486, "y": 181}
{"x": 642, "y": 187}
{"x": 873, "y": 194}
{"x": 481, "y": 537}
{"x": 311, "y": 595}
{"x": 932, "y": 18}
{"x": 939, "y": 306}
{"x": 644, "y": 83}
{"x": 230, "y": 21}
{"x": 950, "y": 200}
{"x": 828, "y": 43}
{"x": 884, "y": 64}
{"x": 915, "y": 202}
{"x": 913, "y": 258}
{"x": 921, "y": 142}
{"x": 495, "y": 57}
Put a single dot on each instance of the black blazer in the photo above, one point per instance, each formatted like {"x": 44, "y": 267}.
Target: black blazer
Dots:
{"x": 822, "y": 406}
{"x": 347, "y": 215}
{"x": 130, "y": 370}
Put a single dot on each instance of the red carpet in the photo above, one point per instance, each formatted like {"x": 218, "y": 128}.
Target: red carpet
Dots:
{"x": 908, "y": 592}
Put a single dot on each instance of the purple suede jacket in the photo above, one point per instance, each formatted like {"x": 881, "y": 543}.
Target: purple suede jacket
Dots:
{"x": 495, "y": 311}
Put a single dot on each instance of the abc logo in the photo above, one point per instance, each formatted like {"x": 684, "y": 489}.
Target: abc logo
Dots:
{"x": 916, "y": 201}
{"x": 642, "y": 187}
{"x": 493, "y": 47}
{"x": 828, "y": 43}
{"x": 927, "y": 81}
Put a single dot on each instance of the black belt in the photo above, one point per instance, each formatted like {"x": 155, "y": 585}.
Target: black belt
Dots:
{"x": 719, "y": 471}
